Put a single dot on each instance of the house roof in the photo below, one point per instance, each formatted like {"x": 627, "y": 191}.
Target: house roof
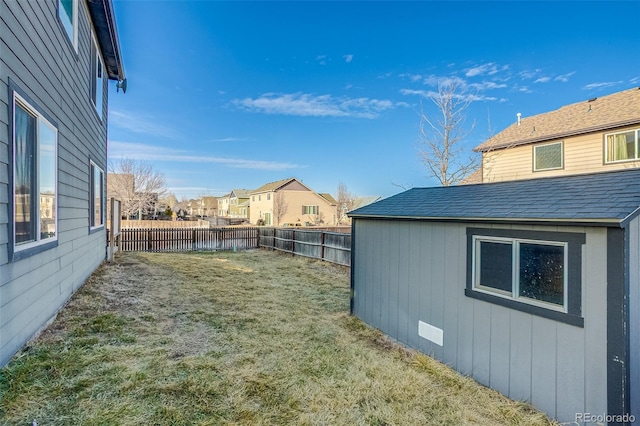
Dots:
{"x": 610, "y": 199}
{"x": 328, "y": 197}
{"x": 104, "y": 23}
{"x": 274, "y": 186}
{"x": 598, "y": 114}
{"x": 240, "y": 193}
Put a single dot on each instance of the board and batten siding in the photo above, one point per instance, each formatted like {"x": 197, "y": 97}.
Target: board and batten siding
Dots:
{"x": 581, "y": 154}
{"x": 37, "y": 56}
{"x": 410, "y": 271}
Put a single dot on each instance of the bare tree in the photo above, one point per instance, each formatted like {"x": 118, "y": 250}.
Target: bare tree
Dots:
{"x": 345, "y": 202}
{"x": 136, "y": 184}
{"x": 280, "y": 207}
{"x": 441, "y": 147}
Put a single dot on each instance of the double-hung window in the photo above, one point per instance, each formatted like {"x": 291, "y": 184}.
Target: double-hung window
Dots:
{"x": 96, "y": 182}
{"x": 68, "y": 14}
{"x": 537, "y": 272}
{"x": 622, "y": 146}
{"x": 97, "y": 77}
{"x": 35, "y": 176}
{"x": 547, "y": 157}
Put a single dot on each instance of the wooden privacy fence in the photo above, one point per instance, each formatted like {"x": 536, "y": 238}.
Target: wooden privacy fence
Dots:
{"x": 184, "y": 239}
{"x": 334, "y": 247}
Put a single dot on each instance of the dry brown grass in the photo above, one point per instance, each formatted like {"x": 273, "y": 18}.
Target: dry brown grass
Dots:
{"x": 232, "y": 338}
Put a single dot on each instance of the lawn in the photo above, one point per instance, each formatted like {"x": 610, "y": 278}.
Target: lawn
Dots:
{"x": 252, "y": 337}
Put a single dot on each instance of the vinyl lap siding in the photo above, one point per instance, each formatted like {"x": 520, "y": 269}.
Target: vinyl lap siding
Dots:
{"x": 36, "y": 55}
{"x": 582, "y": 154}
{"x": 410, "y": 271}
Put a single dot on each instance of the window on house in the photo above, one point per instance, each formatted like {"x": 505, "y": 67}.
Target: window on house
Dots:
{"x": 259, "y": 197}
{"x": 537, "y": 272}
{"x": 268, "y": 196}
{"x": 97, "y": 77}
{"x": 547, "y": 157}
{"x": 96, "y": 179}
{"x": 35, "y": 153}
{"x": 309, "y": 209}
{"x": 68, "y": 14}
{"x": 622, "y": 146}
{"x": 267, "y": 219}
{"x": 253, "y": 198}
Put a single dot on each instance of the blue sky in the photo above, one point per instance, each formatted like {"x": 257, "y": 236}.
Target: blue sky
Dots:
{"x": 225, "y": 95}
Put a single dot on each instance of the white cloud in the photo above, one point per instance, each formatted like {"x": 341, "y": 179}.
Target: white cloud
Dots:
{"x": 348, "y": 58}
{"x": 229, "y": 139}
{"x": 321, "y": 59}
{"x": 303, "y": 104}
{"x": 467, "y": 97}
{"x": 542, "y": 80}
{"x": 530, "y": 74}
{"x": 564, "y": 77}
{"x": 145, "y": 152}
{"x": 490, "y": 68}
{"x": 142, "y": 124}
{"x": 601, "y": 85}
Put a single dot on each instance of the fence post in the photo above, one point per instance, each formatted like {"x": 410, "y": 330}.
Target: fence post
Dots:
{"x": 149, "y": 240}
{"x": 193, "y": 239}
{"x": 322, "y": 234}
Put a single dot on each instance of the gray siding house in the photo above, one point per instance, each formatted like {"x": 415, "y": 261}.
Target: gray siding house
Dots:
{"x": 531, "y": 287}
{"x": 55, "y": 59}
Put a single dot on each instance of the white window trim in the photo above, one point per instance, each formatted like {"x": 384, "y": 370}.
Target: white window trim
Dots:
{"x": 92, "y": 206}
{"x": 515, "y": 275}
{"x": 636, "y": 132}
{"x": 535, "y": 147}
{"x": 74, "y": 24}
{"x": 309, "y": 209}
{"x": 94, "y": 79}
{"x": 23, "y": 103}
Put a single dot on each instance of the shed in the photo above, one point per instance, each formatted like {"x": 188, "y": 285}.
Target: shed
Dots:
{"x": 531, "y": 287}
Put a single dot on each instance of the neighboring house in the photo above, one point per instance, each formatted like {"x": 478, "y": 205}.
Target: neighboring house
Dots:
{"x": 290, "y": 201}
{"x": 234, "y": 204}
{"x": 55, "y": 60}
{"x": 599, "y": 134}
{"x": 356, "y": 204}
{"x": 531, "y": 287}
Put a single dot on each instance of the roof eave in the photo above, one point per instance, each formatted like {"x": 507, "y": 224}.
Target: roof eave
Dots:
{"x": 104, "y": 23}
{"x": 592, "y": 129}
{"x": 607, "y": 222}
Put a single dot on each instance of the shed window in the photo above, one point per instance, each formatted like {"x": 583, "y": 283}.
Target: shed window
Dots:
{"x": 537, "y": 272}
{"x": 622, "y": 146}
{"x": 525, "y": 270}
{"x": 547, "y": 157}
{"x": 35, "y": 161}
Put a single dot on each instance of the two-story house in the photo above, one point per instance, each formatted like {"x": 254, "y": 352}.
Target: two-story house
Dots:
{"x": 596, "y": 135}
{"x": 55, "y": 59}
{"x": 290, "y": 201}
{"x": 234, "y": 204}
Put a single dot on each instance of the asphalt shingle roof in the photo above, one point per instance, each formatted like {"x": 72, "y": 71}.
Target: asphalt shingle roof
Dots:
{"x": 598, "y": 114}
{"x": 609, "y": 197}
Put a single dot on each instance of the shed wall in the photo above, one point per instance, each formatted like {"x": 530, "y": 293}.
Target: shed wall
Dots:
{"x": 633, "y": 235}
{"x": 410, "y": 271}
{"x": 36, "y": 55}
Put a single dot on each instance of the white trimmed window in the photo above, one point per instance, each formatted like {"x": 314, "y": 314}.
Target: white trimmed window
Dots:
{"x": 68, "y": 14}
{"x": 547, "y": 157}
{"x": 309, "y": 209}
{"x": 528, "y": 271}
{"x": 96, "y": 193}
{"x": 35, "y": 177}
{"x": 622, "y": 146}
{"x": 97, "y": 77}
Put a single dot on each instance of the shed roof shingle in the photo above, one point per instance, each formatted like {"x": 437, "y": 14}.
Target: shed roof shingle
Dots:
{"x": 608, "y": 198}
{"x": 599, "y": 114}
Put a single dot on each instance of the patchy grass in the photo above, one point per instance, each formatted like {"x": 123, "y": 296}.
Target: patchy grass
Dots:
{"x": 231, "y": 338}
